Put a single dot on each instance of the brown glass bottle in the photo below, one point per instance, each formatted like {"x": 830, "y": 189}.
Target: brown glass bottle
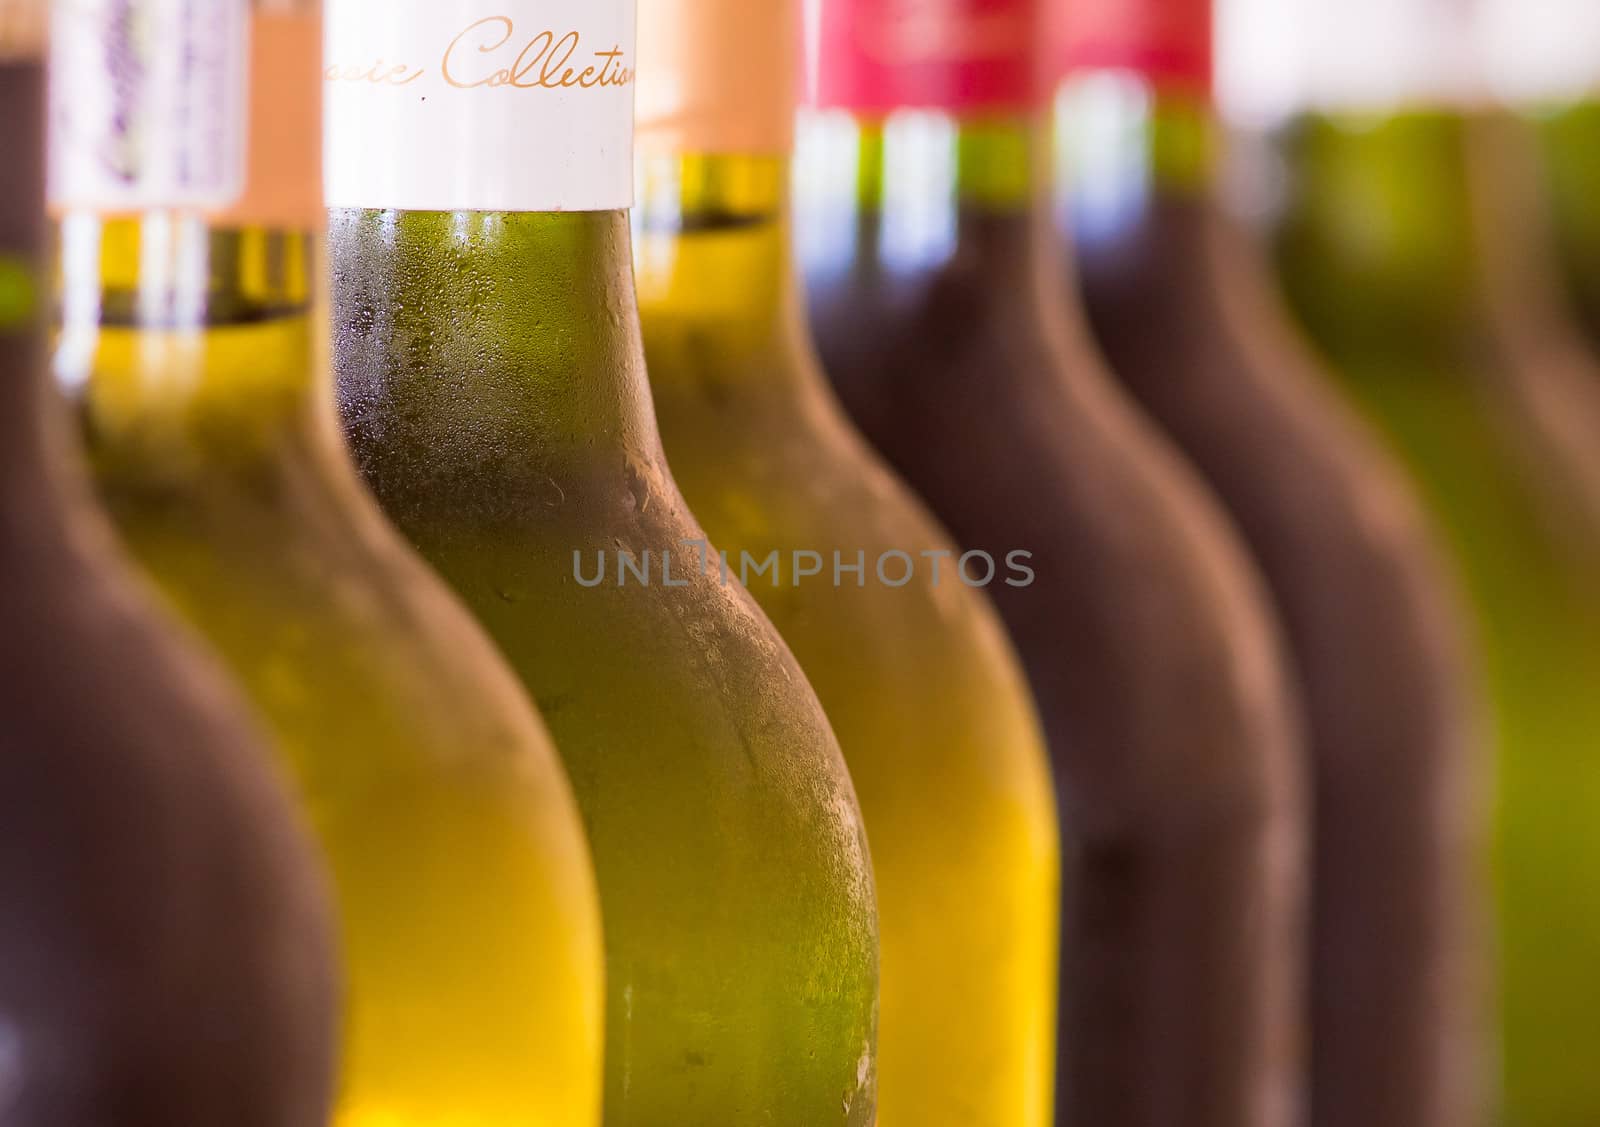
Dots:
{"x": 1180, "y": 302}
{"x": 938, "y": 307}
{"x": 165, "y": 957}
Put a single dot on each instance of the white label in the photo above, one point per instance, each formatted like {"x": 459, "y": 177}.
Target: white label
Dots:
{"x": 1540, "y": 50}
{"x": 149, "y": 103}
{"x": 480, "y": 105}
{"x": 1278, "y": 57}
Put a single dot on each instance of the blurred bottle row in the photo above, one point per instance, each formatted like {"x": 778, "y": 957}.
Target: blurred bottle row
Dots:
{"x": 1118, "y": 641}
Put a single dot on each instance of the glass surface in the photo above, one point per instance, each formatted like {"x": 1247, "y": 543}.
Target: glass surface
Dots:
{"x": 1183, "y": 304}
{"x": 1388, "y": 252}
{"x": 147, "y": 856}
{"x": 937, "y": 304}
{"x": 923, "y": 690}
{"x": 492, "y": 384}
{"x": 467, "y": 904}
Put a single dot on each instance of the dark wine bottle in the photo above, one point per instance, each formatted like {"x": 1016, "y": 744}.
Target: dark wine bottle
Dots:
{"x": 1182, "y": 303}
{"x": 1394, "y": 248}
{"x": 937, "y": 303}
{"x": 166, "y": 951}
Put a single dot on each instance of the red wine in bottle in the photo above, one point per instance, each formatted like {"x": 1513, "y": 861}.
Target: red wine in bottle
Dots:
{"x": 1182, "y": 306}
{"x": 938, "y": 308}
{"x": 165, "y": 947}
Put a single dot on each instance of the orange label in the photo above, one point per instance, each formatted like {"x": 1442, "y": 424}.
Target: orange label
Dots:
{"x": 22, "y": 28}
{"x": 283, "y": 161}
{"x": 718, "y": 76}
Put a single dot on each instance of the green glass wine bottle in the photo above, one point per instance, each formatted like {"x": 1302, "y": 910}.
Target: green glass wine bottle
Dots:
{"x": 1388, "y": 249}
{"x": 936, "y": 298}
{"x": 166, "y": 949}
{"x": 929, "y": 703}
{"x": 492, "y": 383}
{"x": 1182, "y": 303}
{"x": 193, "y": 341}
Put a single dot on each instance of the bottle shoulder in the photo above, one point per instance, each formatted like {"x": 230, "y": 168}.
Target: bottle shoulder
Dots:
{"x": 113, "y": 728}
{"x": 692, "y": 738}
{"x": 317, "y": 603}
{"x": 894, "y": 620}
{"x": 1145, "y": 603}
{"x": 414, "y": 750}
{"x": 616, "y": 616}
{"x": 1301, "y": 471}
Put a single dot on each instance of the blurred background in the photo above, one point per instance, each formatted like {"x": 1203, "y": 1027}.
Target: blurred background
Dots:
{"x": 1426, "y": 176}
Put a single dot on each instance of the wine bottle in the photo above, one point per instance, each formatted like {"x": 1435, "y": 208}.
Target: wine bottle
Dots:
{"x": 166, "y": 949}
{"x": 1568, "y": 136}
{"x": 1387, "y": 247}
{"x": 937, "y": 304}
{"x": 1534, "y": 318}
{"x": 1182, "y": 304}
{"x": 1543, "y": 58}
{"x": 194, "y": 341}
{"x": 492, "y": 384}
{"x": 928, "y": 700}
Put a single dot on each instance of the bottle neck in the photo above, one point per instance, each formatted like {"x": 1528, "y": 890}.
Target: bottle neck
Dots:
{"x": 168, "y": 320}
{"x": 1136, "y": 159}
{"x": 192, "y": 326}
{"x": 713, "y": 252}
{"x": 480, "y": 330}
{"x": 1382, "y": 207}
{"x": 1568, "y": 135}
{"x": 914, "y": 189}
{"x": 22, "y": 85}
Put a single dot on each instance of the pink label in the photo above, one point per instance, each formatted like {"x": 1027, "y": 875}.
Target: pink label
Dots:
{"x": 881, "y": 55}
{"x": 1167, "y": 41}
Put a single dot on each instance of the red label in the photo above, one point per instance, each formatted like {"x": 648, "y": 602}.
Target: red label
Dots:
{"x": 1167, "y": 41}
{"x": 882, "y": 55}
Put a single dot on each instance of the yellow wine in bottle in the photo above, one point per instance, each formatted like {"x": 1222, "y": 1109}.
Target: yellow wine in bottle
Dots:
{"x": 193, "y": 341}
{"x": 165, "y": 940}
{"x": 913, "y": 668}
{"x": 492, "y": 384}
